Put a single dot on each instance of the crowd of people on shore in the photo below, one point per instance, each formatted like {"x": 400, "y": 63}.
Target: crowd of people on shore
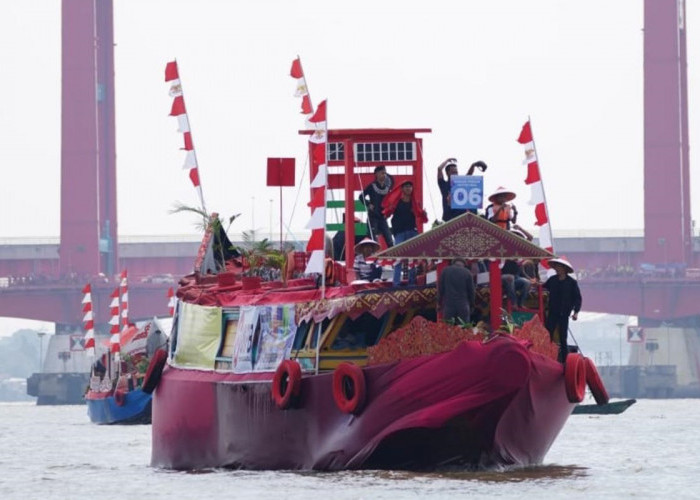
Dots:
{"x": 40, "y": 279}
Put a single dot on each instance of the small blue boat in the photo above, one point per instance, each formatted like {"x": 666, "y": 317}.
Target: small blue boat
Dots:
{"x": 133, "y": 407}
{"x": 120, "y": 389}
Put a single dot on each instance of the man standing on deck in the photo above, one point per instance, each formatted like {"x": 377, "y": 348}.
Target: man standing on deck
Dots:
{"x": 564, "y": 297}
{"x": 372, "y": 197}
{"x": 456, "y": 292}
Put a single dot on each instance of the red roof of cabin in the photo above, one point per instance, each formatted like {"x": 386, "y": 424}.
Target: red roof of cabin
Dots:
{"x": 469, "y": 237}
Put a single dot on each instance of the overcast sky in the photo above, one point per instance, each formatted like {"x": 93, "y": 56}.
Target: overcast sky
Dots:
{"x": 473, "y": 71}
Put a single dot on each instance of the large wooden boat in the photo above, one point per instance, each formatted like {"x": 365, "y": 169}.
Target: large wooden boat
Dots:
{"x": 292, "y": 375}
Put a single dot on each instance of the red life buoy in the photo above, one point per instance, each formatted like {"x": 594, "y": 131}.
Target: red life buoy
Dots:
{"x": 349, "y": 388}
{"x": 286, "y": 384}
{"x": 119, "y": 397}
{"x": 575, "y": 377}
{"x": 154, "y": 371}
{"x": 595, "y": 384}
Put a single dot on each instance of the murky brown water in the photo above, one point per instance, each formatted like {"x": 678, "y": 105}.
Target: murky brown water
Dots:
{"x": 650, "y": 451}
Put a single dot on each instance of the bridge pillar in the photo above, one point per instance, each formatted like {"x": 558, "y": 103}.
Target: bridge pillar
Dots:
{"x": 88, "y": 160}
{"x": 667, "y": 222}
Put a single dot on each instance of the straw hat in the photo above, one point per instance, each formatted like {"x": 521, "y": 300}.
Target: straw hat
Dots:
{"x": 519, "y": 233}
{"x": 510, "y": 195}
{"x": 368, "y": 241}
{"x": 562, "y": 261}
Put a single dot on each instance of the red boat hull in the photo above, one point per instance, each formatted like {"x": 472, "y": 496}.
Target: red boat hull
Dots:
{"x": 480, "y": 404}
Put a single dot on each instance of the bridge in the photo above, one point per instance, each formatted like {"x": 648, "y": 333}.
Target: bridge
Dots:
{"x": 650, "y": 275}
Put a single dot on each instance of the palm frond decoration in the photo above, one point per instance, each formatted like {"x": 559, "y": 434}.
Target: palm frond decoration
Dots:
{"x": 201, "y": 224}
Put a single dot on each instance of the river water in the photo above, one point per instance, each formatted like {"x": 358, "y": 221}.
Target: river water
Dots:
{"x": 650, "y": 451}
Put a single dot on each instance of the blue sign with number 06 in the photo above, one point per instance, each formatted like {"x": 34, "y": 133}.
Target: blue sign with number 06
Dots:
{"x": 466, "y": 191}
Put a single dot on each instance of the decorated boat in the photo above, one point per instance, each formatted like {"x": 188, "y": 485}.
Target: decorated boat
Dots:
{"x": 126, "y": 364}
{"x": 313, "y": 369}
{"x": 120, "y": 389}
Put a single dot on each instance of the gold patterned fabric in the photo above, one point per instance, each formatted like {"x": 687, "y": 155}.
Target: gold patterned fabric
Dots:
{"x": 375, "y": 303}
{"x": 469, "y": 237}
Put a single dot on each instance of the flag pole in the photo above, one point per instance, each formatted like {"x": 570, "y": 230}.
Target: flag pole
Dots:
{"x": 323, "y": 271}
{"x": 281, "y": 244}
{"x": 194, "y": 150}
{"x": 544, "y": 195}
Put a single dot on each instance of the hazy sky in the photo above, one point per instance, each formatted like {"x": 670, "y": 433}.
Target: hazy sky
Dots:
{"x": 471, "y": 70}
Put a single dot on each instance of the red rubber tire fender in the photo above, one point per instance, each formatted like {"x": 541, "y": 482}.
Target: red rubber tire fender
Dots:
{"x": 349, "y": 388}
{"x": 286, "y": 384}
{"x": 119, "y": 397}
{"x": 575, "y": 377}
{"x": 154, "y": 371}
{"x": 595, "y": 384}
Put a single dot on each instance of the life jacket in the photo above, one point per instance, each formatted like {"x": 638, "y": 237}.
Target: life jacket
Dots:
{"x": 502, "y": 215}
{"x": 329, "y": 267}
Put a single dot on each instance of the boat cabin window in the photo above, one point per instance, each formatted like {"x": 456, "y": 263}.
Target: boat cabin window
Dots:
{"x": 313, "y": 331}
{"x": 307, "y": 333}
{"x": 359, "y": 333}
{"x": 301, "y": 335}
{"x": 230, "y": 320}
{"x": 385, "y": 151}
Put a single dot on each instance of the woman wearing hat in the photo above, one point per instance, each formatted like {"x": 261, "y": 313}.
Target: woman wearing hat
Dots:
{"x": 501, "y": 211}
{"x": 564, "y": 297}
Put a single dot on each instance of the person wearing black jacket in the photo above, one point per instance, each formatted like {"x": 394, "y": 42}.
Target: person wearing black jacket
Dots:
{"x": 456, "y": 292}
{"x": 564, "y": 297}
{"x": 372, "y": 197}
{"x": 450, "y": 168}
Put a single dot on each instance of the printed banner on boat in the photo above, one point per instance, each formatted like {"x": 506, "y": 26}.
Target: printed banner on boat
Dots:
{"x": 466, "y": 191}
{"x": 277, "y": 331}
{"x": 198, "y": 335}
{"x": 247, "y": 336}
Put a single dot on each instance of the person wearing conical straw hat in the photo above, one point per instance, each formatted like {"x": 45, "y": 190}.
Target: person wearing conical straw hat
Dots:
{"x": 501, "y": 211}
{"x": 366, "y": 270}
{"x": 564, "y": 298}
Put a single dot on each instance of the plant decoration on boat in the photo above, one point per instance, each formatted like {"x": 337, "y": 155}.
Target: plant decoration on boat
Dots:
{"x": 331, "y": 372}
{"x": 261, "y": 259}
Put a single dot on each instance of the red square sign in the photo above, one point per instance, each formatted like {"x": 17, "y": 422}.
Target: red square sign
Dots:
{"x": 280, "y": 171}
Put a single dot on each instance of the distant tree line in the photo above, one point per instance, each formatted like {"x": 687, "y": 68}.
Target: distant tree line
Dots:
{"x": 19, "y": 354}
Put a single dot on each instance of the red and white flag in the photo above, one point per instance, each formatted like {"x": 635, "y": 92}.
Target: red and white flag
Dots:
{"x": 179, "y": 111}
{"x": 124, "y": 297}
{"x": 301, "y": 89}
{"x": 319, "y": 186}
{"x": 171, "y": 301}
{"x": 114, "y": 330}
{"x": 534, "y": 180}
{"x": 88, "y": 320}
{"x": 316, "y": 121}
